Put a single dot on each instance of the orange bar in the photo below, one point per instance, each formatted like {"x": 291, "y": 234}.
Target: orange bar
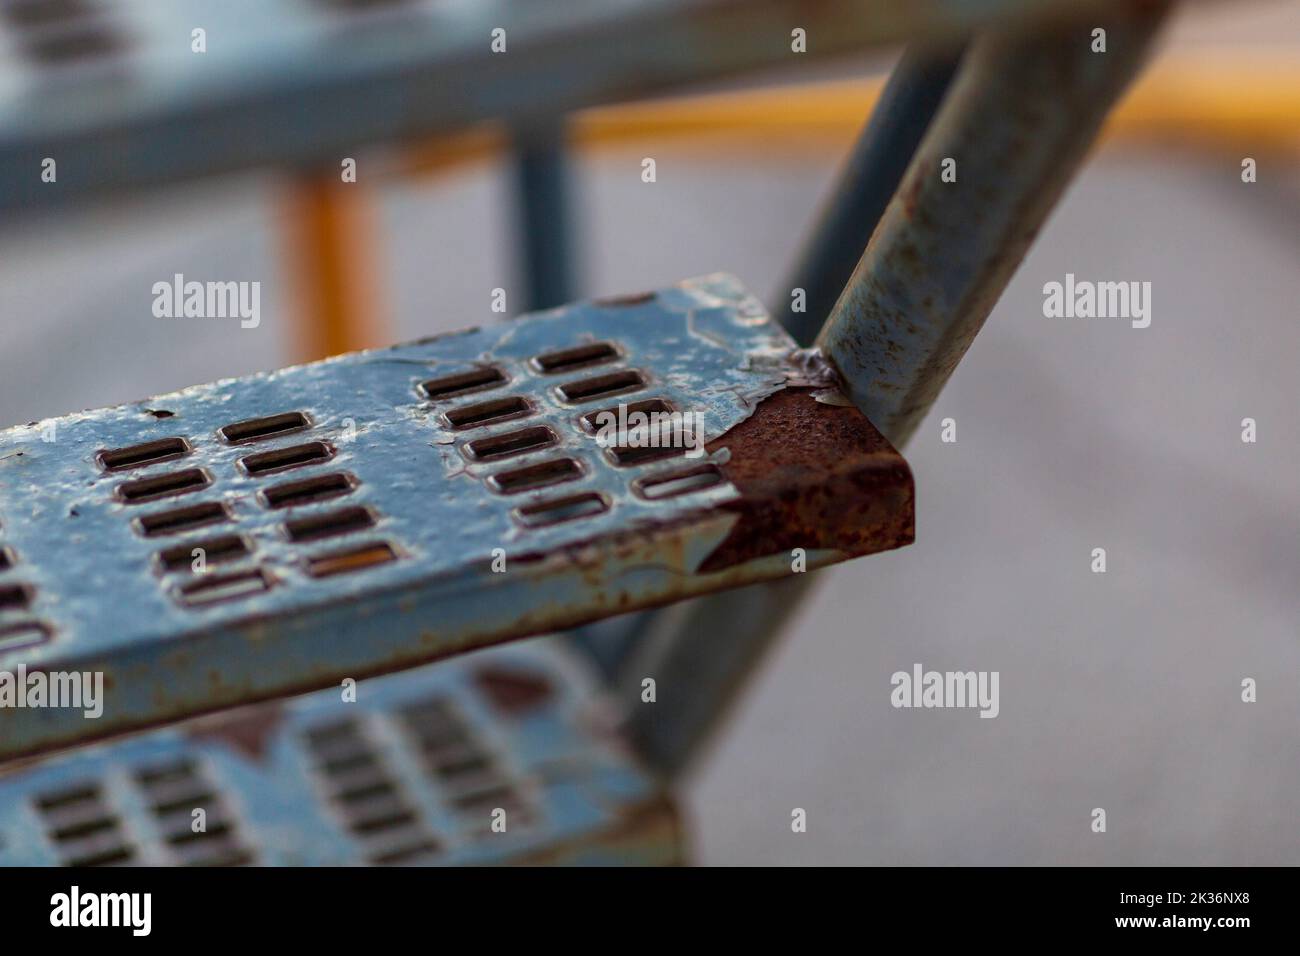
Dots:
{"x": 332, "y": 257}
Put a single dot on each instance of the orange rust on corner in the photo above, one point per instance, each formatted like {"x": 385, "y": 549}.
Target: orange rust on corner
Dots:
{"x": 812, "y": 475}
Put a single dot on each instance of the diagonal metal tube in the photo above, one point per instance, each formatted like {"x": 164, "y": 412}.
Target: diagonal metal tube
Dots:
{"x": 1018, "y": 122}
{"x": 1019, "y": 119}
{"x": 864, "y": 188}
{"x": 862, "y": 192}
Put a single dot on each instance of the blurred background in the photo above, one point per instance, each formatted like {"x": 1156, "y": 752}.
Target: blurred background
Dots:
{"x": 1119, "y": 690}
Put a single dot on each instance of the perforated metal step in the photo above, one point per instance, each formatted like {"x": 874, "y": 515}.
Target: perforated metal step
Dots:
{"x": 503, "y": 757}
{"x": 255, "y": 537}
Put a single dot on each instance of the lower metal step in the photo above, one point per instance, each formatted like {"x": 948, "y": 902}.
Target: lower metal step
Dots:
{"x": 502, "y": 757}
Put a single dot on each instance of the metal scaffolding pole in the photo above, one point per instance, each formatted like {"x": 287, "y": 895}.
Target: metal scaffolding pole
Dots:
{"x": 1019, "y": 119}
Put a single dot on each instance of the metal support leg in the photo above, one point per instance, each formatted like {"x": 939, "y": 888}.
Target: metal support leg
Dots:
{"x": 1018, "y": 119}
{"x": 1013, "y": 131}
{"x": 874, "y": 167}
{"x": 545, "y": 226}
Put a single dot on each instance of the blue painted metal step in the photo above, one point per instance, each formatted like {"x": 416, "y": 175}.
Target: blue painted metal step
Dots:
{"x": 275, "y": 534}
{"x": 504, "y": 757}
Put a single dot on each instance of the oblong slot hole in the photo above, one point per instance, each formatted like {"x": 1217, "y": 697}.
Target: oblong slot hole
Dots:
{"x": 500, "y": 795}
{"x": 79, "y": 42}
{"x": 435, "y": 709}
{"x": 627, "y": 456}
{"x": 373, "y": 789}
{"x": 359, "y": 762}
{"x": 352, "y": 559}
{"x": 680, "y": 483}
{"x": 137, "y": 456}
{"x": 593, "y": 421}
{"x": 282, "y": 459}
{"x": 212, "y": 588}
{"x": 117, "y": 854}
{"x": 325, "y": 734}
{"x": 184, "y": 800}
{"x": 309, "y": 490}
{"x": 14, "y": 596}
{"x": 562, "y": 509}
{"x": 23, "y": 634}
{"x": 396, "y": 816}
{"x": 215, "y": 831}
{"x": 330, "y": 524}
{"x": 580, "y": 356}
{"x": 182, "y": 769}
{"x": 405, "y": 854}
{"x": 213, "y": 550}
{"x": 64, "y": 816}
{"x": 447, "y": 386}
{"x": 541, "y": 475}
{"x": 511, "y": 443}
{"x": 255, "y": 429}
{"x": 586, "y": 389}
{"x": 469, "y": 762}
{"x": 434, "y": 718}
{"x": 34, "y": 13}
{"x": 163, "y": 486}
{"x": 82, "y": 793}
{"x": 438, "y": 738}
{"x": 83, "y": 829}
{"x": 224, "y": 854}
{"x": 484, "y": 413}
{"x": 182, "y": 519}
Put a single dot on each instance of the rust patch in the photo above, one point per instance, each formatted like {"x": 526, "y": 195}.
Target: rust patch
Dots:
{"x": 624, "y": 301}
{"x": 812, "y": 475}
{"x": 247, "y": 730}
{"x": 511, "y": 690}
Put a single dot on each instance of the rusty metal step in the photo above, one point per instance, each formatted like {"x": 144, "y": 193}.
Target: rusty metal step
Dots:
{"x": 278, "y": 533}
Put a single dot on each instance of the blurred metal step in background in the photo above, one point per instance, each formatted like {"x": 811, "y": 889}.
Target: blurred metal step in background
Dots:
{"x": 415, "y": 772}
{"x": 274, "y": 534}
{"x": 114, "y": 91}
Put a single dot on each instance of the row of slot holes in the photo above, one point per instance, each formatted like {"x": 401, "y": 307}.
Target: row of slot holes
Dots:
{"x": 491, "y": 376}
{"x": 176, "y": 483}
{"x": 83, "y": 827}
{"x": 370, "y": 802}
{"x": 560, "y": 470}
{"x": 192, "y": 517}
{"x": 468, "y": 772}
{"x": 227, "y": 548}
{"x": 170, "y": 449}
{"x": 219, "y": 587}
{"x": 62, "y": 32}
{"x": 534, "y": 438}
{"x": 87, "y": 832}
{"x": 17, "y": 596}
{"x": 174, "y": 791}
{"x": 314, "y": 527}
